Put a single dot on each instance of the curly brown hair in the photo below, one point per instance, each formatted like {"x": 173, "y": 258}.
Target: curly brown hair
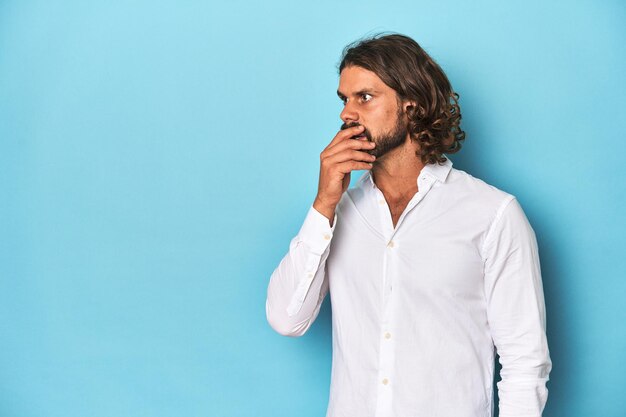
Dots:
{"x": 403, "y": 65}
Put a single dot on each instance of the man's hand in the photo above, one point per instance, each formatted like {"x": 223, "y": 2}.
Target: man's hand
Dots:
{"x": 342, "y": 156}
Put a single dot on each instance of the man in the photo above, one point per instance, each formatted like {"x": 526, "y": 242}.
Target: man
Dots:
{"x": 430, "y": 269}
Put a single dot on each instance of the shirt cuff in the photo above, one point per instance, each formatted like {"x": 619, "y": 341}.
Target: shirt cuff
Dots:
{"x": 316, "y": 231}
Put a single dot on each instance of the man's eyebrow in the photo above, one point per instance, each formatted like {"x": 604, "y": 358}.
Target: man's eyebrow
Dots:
{"x": 358, "y": 93}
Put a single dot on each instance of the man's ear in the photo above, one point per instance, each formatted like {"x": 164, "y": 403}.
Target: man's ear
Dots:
{"x": 407, "y": 104}
{"x": 421, "y": 111}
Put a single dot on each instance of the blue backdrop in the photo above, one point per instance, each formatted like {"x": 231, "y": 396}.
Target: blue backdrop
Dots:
{"x": 156, "y": 158}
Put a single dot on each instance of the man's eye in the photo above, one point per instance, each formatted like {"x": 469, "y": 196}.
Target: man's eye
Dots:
{"x": 366, "y": 97}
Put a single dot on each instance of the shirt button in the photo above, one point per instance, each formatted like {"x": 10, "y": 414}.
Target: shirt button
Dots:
{"x": 327, "y": 237}
{"x": 387, "y": 335}
{"x": 381, "y": 202}
{"x": 385, "y": 381}
{"x": 310, "y": 275}
{"x": 390, "y": 244}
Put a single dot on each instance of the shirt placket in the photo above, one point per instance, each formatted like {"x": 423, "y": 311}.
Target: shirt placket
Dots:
{"x": 387, "y": 349}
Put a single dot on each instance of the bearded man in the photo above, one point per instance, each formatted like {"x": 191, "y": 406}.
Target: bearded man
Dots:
{"x": 431, "y": 271}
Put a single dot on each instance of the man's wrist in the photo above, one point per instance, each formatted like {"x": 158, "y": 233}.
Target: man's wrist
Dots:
{"x": 327, "y": 210}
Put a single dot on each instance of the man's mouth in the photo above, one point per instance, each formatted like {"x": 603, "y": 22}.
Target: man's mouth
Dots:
{"x": 361, "y": 136}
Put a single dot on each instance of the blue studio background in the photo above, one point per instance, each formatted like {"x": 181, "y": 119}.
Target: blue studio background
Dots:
{"x": 156, "y": 158}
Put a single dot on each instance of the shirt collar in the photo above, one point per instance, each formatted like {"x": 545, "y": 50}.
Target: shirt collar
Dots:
{"x": 438, "y": 172}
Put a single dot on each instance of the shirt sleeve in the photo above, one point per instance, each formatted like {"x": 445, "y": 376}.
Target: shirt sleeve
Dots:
{"x": 516, "y": 312}
{"x": 298, "y": 285}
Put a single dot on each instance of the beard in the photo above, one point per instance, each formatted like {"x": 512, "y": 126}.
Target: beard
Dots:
{"x": 385, "y": 142}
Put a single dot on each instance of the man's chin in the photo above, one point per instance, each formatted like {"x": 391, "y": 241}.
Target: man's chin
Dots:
{"x": 376, "y": 153}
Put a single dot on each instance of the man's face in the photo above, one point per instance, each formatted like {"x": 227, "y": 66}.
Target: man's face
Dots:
{"x": 368, "y": 101}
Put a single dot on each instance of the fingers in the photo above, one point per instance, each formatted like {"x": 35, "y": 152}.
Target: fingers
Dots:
{"x": 346, "y": 133}
{"x": 358, "y": 144}
{"x": 339, "y": 159}
{"x": 349, "y": 166}
{"x": 349, "y": 155}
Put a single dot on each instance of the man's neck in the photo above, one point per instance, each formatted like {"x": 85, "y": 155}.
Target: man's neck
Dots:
{"x": 395, "y": 173}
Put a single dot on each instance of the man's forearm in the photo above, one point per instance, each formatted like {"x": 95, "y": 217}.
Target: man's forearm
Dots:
{"x": 297, "y": 286}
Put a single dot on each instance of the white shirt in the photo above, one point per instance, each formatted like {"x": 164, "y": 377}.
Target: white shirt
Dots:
{"x": 417, "y": 310}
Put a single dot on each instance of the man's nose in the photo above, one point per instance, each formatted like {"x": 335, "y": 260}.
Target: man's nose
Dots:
{"x": 348, "y": 114}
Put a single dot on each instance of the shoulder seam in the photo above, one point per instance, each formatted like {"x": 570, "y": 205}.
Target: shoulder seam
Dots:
{"x": 496, "y": 219}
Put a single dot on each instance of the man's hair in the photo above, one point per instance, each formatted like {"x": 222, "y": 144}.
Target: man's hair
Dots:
{"x": 404, "y": 66}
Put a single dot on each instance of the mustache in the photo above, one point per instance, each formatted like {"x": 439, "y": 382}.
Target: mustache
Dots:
{"x": 348, "y": 125}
